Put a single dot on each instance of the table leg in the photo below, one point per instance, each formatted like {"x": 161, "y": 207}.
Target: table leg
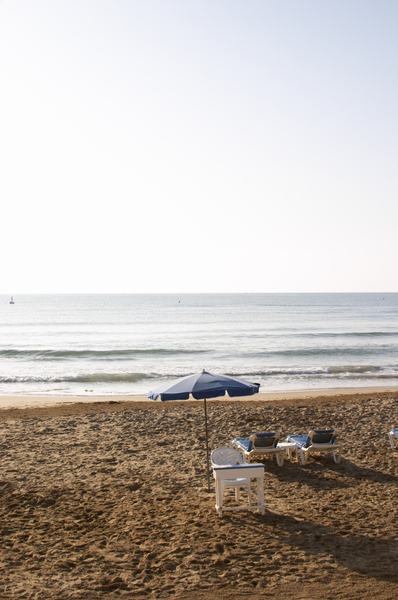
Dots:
{"x": 219, "y": 497}
{"x": 260, "y": 495}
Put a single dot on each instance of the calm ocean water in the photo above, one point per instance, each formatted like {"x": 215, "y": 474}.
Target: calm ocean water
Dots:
{"x": 129, "y": 344}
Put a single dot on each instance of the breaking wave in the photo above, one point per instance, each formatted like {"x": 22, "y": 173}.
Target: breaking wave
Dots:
{"x": 83, "y": 378}
{"x": 341, "y": 351}
{"x": 95, "y": 354}
{"x": 365, "y": 371}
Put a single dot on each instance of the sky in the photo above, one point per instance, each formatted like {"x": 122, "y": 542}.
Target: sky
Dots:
{"x": 185, "y": 146}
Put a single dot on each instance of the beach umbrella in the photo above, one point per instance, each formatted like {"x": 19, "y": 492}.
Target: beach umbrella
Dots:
{"x": 202, "y": 386}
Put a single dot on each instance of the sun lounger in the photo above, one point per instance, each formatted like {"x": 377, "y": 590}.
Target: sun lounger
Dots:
{"x": 316, "y": 441}
{"x": 393, "y": 434}
{"x": 229, "y": 457}
{"x": 260, "y": 445}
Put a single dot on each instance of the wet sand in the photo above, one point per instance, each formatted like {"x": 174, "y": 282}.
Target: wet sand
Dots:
{"x": 108, "y": 499}
{"x": 20, "y": 401}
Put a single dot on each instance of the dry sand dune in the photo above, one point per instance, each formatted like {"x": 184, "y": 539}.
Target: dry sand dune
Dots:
{"x": 109, "y": 500}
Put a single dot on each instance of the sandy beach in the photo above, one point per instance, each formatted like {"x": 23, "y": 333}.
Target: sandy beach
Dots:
{"x": 108, "y": 499}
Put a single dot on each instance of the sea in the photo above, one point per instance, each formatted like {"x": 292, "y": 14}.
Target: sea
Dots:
{"x": 128, "y": 344}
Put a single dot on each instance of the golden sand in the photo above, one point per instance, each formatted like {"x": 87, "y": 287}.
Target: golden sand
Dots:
{"x": 108, "y": 499}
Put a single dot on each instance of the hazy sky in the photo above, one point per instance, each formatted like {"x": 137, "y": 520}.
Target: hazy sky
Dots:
{"x": 207, "y": 145}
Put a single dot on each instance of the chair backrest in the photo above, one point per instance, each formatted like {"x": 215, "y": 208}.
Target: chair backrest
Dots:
{"x": 226, "y": 456}
{"x": 321, "y": 436}
{"x": 264, "y": 440}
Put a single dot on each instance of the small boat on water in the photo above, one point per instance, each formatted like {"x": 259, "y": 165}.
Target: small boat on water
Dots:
{"x": 12, "y": 300}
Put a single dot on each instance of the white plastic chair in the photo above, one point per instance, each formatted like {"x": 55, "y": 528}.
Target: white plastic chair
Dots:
{"x": 393, "y": 434}
{"x": 230, "y": 457}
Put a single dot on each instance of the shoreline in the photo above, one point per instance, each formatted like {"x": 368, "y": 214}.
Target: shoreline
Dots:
{"x": 55, "y": 407}
{"x": 10, "y": 401}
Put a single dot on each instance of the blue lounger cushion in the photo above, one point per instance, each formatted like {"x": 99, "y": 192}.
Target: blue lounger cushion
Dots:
{"x": 321, "y": 436}
{"x": 244, "y": 443}
{"x": 263, "y": 440}
{"x": 300, "y": 440}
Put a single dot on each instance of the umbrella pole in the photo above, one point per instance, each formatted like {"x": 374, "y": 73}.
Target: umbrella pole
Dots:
{"x": 207, "y": 450}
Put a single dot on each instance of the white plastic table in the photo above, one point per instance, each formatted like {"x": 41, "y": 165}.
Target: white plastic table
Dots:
{"x": 236, "y": 472}
{"x": 289, "y": 447}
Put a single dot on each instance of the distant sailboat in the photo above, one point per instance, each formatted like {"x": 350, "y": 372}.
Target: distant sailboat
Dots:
{"x": 12, "y": 300}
